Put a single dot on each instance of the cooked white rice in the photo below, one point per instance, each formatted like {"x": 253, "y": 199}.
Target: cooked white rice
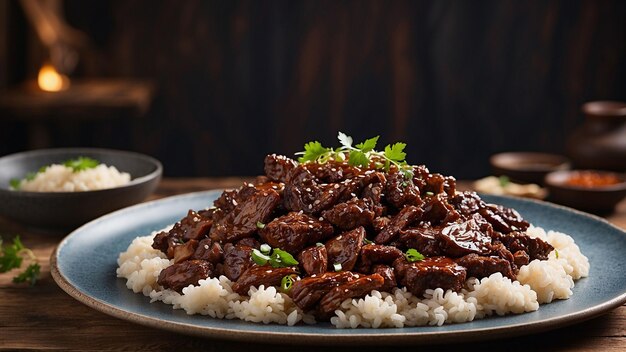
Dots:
{"x": 539, "y": 282}
{"x": 60, "y": 178}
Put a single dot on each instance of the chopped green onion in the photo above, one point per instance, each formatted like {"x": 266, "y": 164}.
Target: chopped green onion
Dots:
{"x": 81, "y": 163}
{"x": 258, "y": 257}
{"x": 430, "y": 194}
{"x": 286, "y": 283}
{"x": 266, "y": 249}
{"x": 260, "y": 225}
{"x": 281, "y": 259}
{"x": 319, "y": 244}
{"x": 366, "y": 241}
{"x": 337, "y": 266}
{"x": 556, "y": 253}
{"x": 412, "y": 255}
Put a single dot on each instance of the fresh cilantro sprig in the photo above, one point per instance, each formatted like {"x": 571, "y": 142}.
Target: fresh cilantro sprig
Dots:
{"x": 12, "y": 256}
{"x": 79, "y": 164}
{"x": 362, "y": 154}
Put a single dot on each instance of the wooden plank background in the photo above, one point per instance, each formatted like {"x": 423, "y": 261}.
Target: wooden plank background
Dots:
{"x": 239, "y": 79}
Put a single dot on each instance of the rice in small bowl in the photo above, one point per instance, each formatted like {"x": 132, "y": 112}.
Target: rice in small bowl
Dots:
{"x": 55, "y": 198}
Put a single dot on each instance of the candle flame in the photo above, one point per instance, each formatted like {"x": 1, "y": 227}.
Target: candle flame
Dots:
{"x": 50, "y": 80}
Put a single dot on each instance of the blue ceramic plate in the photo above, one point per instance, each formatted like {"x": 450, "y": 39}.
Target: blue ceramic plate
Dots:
{"x": 85, "y": 261}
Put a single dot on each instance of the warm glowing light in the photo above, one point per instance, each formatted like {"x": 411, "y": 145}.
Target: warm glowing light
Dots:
{"x": 50, "y": 80}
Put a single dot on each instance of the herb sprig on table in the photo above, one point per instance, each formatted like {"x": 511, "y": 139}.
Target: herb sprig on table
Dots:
{"x": 12, "y": 256}
{"x": 79, "y": 164}
{"x": 362, "y": 154}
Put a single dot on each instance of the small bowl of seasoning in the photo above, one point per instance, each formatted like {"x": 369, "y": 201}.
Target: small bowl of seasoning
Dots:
{"x": 589, "y": 190}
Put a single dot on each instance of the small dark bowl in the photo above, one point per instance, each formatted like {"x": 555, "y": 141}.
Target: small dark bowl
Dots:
{"x": 527, "y": 167}
{"x": 57, "y": 211}
{"x": 599, "y": 200}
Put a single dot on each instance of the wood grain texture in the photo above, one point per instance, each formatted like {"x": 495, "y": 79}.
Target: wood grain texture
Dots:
{"x": 239, "y": 78}
{"x": 44, "y": 317}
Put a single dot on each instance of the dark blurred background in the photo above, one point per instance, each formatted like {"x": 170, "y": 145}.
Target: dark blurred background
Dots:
{"x": 222, "y": 83}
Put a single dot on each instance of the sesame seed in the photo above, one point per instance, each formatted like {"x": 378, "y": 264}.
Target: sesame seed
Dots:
{"x": 336, "y": 185}
{"x": 310, "y": 206}
{"x": 321, "y": 219}
{"x": 206, "y": 246}
{"x": 234, "y": 202}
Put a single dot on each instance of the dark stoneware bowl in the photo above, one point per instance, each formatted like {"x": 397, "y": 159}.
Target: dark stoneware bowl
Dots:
{"x": 56, "y": 211}
{"x": 597, "y": 200}
{"x": 527, "y": 167}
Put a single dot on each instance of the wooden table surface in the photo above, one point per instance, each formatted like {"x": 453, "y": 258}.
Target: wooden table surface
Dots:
{"x": 45, "y": 317}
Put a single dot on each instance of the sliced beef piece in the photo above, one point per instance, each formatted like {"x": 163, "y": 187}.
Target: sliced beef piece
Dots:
{"x": 242, "y": 221}
{"x": 420, "y": 174}
{"x": 332, "y": 171}
{"x": 437, "y": 211}
{"x": 380, "y": 223}
{"x": 482, "y": 266}
{"x": 261, "y": 275}
{"x": 294, "y": 231}
{"x": 467, "y": 204}
{"x": 209, "y": 251}
{"x": 308, "y": 291}
{"x": 388, "y": 275}
{"x": 193, "y": 226}
{"x": 403, "y": 219}
{"x": 432, "y": 272}
{"x": 314, "y": 260}
{"x": 377, "y": 254}
{"x": 422, "y": 239}
{"x": 237, "y": 259}
{"x": 471, "y": 236}
{"x": 399, "y": 191}
{"x": 227, "y": 200}
{"x": 344, "y": 249}
{"x": 503, "y": 219}
{"x": 437, "y": 184}
{"x": 181, "y": 275}
{"x": 351, "y": 214}
{"x": 304, "y": 193}
{"x": 185, "y": 251}
{"x": 353, "y": 289}
{"x": 521, "y": 258}
{"x": 278, "y": 166}
{"x": 160, "y": 241}
{"x": 250, "y": 242}
{"x": 535, "y": 247}
{"x": 374, "y": 192}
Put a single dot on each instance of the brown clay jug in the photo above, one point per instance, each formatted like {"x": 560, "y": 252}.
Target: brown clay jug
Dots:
{"x": 600, "y": 143}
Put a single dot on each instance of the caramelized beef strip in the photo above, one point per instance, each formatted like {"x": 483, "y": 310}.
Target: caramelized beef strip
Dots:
{"x": 237, "y": 259}
{"x": 377, "y": 254}
{"x": 388, "y": 275}
{"x": 422, "y": 239}
{"x": 404, "y": 218}
{"x": 181, "y": 275}
{"x": 308, "y": 291}
{"x": 351, "y": 214}
{"x": 314, "y": 260}
{"x": 432, "y": 272}
{"x": 294, "y": 231}
{"x": 503, "y": 219}
{"x": 437, "y": 211}
{"x": 356, "y": 288}
{"x": 261, "y": 275}
{"x": 536, "y": 248}
{"x": 344, "y": 249}
{"x": 242, "y": 221}
{"x": 471, "y": 236}
{"x": 185, "y": 251}
{"x": 481, "y": 266}
{"x": 400, "y": 192}
{"x": 278, "y": 166}
{"x": 192, "y": 227}
{"x": 209, "y": 251}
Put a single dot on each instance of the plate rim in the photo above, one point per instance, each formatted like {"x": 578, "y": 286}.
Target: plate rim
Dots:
{"x": 355, "y": 336}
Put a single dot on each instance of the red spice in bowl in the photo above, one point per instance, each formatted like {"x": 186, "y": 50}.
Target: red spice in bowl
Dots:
{"x": 592, "y": 179}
